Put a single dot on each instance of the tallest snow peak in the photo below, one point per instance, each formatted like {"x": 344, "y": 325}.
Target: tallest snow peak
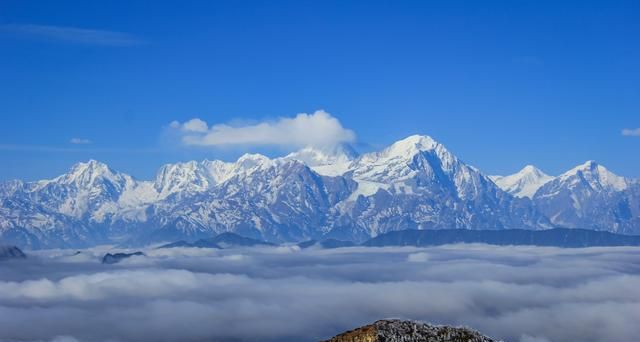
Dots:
{"x": 420, "y": 142}
{"x": 412, "y": 144}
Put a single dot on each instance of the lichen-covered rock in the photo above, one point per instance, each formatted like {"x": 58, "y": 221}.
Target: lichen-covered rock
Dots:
{"x": 409, "y": 331}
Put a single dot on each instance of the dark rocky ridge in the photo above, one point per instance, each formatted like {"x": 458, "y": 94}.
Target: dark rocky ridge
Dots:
{"x": 220, "y": 241}
{"x": 409, "y": 331}
{"x": 117, "y": 257}
{"x": 228, "y": 239}
{"x": 557, "y": 237}
{"x": 11, "y": 252}
{"x": 202, "y": 243}
{"x": 326, "y": 244}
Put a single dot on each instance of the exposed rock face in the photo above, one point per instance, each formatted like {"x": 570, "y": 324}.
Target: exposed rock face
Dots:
{"x": 409, "y": 331}
{"x": 224, "y": 240}
{"x": 202, "y": 243}
{"x": 228, "y": 240}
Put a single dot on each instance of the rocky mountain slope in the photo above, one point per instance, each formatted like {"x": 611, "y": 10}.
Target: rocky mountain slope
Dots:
{"x": 592, "y": 197}
{"x": 409, "y": 331}
{"x": 415, "y": 183}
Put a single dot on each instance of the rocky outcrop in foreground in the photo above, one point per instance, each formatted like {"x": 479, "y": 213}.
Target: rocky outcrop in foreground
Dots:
{"x": 409, "y": 331}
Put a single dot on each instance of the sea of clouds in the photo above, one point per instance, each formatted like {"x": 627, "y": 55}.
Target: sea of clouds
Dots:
{"x": 286, "y": 294}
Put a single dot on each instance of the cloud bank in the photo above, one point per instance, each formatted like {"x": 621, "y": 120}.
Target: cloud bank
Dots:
{"x": 511, "y": 293}
{"x": 318, "y": 129}
{"x": 73, "y": 34}
{"x": 631, "y": 132}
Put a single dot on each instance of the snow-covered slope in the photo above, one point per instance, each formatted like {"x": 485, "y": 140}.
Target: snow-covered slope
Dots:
{"x": 416, "y": 183}
{"x": 83, "y": 191}
{"x": 596, "y": 176}
{"x": 590, "y": 196}
{"x": 523, "y": 183}
{"x": 312, "y": 194}
{"x": 328, "y": 161}
{"x": 279, "y": 200}
{"x": 401, "y": 164}
{"x": 189, "y": 177}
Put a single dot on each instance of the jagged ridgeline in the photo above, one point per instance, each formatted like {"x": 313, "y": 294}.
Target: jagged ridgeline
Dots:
{"x": 415, "y": 183}
{"x": 409, "y": 331}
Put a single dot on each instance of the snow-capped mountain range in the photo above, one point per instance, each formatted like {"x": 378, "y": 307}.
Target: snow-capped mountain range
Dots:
{"x": 415, "y": 183}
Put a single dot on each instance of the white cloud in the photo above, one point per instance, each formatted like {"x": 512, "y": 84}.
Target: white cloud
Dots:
{"x": 195, "y": 125}
{"x": 524, "y": 294}
{"x": 317, "y": 129}
{"x": 418, "y": 257}
{"x": 73, "y": 34}
{"x": 527, "y": 338}
{"x": 234, "y": 257}
{"x": 80, "y": 141}
{"x": 631, "y": 132}
{"x": 64, "y": 339}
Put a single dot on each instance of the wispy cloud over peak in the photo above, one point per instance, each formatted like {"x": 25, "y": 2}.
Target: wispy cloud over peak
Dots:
{"x": 73, "y": 34}
{"x": 631, "y": 132}
{"x": 317, "y": 129}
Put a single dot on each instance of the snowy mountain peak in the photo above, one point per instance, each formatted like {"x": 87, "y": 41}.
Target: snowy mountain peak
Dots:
{"x": 523, "y": 183}
{"x": 253, "y": 160}
{"x": 191, "y": 176}
{"x": 416, "y": 164}
{"x": 588, "y": 165}
{"x": 328, "y": 161}
{"x": 249, "y": 163}
{"x": 596, "y": 175}
{"x": 415, "y": 183}
{"x": 188, "y": 176}
{"x": 589, "y": 195}
{"x": 313, "y": 156}
{"x": 86, "y": 174}
{"x": 89, "y": 166}
{"x": 404, "y": 151}
{"x": 411, "y": 145}
{"x": 531, "y": 169}
{"x": 396, "y": 159}
{"x": 217, "y": 169}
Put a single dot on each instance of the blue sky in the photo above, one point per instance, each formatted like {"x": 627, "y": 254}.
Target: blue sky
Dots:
{"x": 500, "y": 83}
